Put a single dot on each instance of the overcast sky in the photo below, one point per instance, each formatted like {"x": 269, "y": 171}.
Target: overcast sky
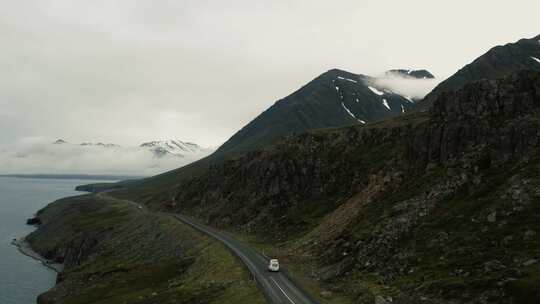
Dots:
{"x": 138, "y": 70}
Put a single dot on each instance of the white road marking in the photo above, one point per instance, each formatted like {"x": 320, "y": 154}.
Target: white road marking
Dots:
{"x": 282, "y": 290}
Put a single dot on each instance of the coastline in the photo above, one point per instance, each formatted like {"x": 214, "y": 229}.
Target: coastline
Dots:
{"x": 25, "y": 248}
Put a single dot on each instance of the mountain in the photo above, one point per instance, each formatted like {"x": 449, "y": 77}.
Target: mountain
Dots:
{"x": 334, "y": 99}
{"x": 174, "y": 148}
{"x": 498, "y": 62}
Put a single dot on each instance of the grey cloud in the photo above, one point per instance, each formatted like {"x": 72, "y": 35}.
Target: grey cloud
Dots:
{"x": 129, "y": 71}
{"x": 407, "y": 86}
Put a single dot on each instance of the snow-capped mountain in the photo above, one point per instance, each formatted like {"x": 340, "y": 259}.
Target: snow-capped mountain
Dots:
{"x": 336, "y": 98}
{"x": 174, "y": 147}
{"x": 159, "y": 148}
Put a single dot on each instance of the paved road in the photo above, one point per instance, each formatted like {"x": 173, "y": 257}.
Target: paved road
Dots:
{"x": 277, "y": 287}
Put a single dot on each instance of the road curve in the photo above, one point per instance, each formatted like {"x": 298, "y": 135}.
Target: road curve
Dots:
{"x": 276, "y": 286}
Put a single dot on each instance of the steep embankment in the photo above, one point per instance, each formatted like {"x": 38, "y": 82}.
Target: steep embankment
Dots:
{"x": 439, "y": 206}
{"x": 116, "y": 252}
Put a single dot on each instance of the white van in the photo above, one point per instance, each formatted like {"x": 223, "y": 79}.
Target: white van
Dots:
{"x": 273, "y": 265}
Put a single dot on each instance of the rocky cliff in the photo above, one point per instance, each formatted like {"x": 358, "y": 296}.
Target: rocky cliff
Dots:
{"x": 438, "y": 206}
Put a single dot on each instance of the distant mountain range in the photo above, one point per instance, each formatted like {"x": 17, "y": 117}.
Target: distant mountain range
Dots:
{"x": 60, "y": 157}
{"x": 159, "y": 148}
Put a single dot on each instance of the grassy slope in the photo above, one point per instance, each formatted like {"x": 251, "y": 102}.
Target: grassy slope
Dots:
{"x": 135, "y": 257}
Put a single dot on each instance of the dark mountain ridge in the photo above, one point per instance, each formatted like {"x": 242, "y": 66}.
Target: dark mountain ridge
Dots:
{"x": 498, "y": 62}
{"x": 334, "y": 99}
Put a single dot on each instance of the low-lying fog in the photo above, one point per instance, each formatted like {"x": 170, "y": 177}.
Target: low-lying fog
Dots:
{"x": 42, "y": 156}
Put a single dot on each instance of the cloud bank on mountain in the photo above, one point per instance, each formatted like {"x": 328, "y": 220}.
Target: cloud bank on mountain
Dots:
{"x": 40, "y": 155}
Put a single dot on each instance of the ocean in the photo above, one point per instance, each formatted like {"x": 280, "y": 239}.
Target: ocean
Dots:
{"x": 22, "y": 278}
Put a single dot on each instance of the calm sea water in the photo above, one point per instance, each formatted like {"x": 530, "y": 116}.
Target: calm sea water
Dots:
{"x": 22, "y": 279}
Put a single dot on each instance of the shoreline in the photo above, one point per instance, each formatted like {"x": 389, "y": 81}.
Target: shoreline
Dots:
{"x": 24, "y": 247}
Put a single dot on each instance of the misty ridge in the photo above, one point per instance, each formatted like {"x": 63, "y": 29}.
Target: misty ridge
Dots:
{"x": 40, "y": 155}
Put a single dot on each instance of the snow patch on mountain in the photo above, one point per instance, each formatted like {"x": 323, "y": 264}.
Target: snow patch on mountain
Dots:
{"x": 351, "y": 113}
{"x": 173, "y": 147}
{"x": 347, "y": 79}
{"x": 385, "y": 103}
{"x": 374, "y": 90}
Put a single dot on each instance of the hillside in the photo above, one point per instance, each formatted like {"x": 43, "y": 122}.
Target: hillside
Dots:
{"x": 440, "y": 205}
{"x": 496, "y": 63}
{"x": 114, "y": 252}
